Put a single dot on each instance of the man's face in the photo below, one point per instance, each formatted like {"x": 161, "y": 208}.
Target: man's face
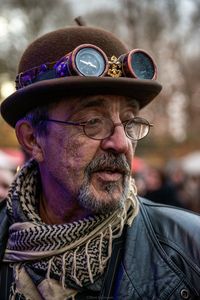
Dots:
{"x": 93, "y": 173}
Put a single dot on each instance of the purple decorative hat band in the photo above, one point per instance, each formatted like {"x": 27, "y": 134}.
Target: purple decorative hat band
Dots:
{"x": 90, "y": 60}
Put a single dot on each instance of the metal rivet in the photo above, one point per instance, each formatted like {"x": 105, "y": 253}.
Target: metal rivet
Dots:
{"x": 185, "y": 294}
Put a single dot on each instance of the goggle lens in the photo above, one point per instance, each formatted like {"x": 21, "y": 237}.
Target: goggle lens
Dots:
{"x": 142, "y": 65}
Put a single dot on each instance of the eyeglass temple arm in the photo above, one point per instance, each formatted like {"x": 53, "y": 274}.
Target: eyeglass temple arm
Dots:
{"x": 65, "y": 122}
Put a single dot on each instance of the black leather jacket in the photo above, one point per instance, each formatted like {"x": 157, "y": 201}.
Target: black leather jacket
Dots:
{"x": 160, "y": 256}
{"x": 157, "y": 258}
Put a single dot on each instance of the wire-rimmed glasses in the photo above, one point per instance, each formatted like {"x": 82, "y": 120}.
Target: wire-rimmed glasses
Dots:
{"x": 100, "y": 128}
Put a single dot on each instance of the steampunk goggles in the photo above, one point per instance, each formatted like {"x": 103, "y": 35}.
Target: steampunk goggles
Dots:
{"x": 90, "y": 60}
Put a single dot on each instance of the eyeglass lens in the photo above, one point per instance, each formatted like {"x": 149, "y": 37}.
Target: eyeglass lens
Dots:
{"x": 101, "y": 128}
{"x": 137, "y": 128}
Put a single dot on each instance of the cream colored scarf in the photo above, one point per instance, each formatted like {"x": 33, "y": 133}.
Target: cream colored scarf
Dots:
{"x": 54, "y": 261}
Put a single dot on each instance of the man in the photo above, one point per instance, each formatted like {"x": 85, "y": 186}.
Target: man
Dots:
{"x": 72, "y": 226}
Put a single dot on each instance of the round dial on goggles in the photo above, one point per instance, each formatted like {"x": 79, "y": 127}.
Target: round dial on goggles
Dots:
{"x": 88, "y": 60}
{"x": 138, "y": 64}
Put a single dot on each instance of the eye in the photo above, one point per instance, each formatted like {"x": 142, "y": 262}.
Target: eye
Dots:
{"x": 127, "y": 115}
{"x": 95, "y": 122}
{"x": 95, "y": 128}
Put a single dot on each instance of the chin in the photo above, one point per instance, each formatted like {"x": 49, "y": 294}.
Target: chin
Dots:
{"x": 102, "y": 201}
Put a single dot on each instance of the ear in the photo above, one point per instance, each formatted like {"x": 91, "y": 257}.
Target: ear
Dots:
{"x": 29, "y": 141}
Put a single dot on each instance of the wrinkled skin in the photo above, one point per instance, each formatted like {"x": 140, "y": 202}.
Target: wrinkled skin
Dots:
{"x": 82, "y": 176}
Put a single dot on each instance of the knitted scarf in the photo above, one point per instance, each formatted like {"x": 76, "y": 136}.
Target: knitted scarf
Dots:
{"x": 56, "y": 261}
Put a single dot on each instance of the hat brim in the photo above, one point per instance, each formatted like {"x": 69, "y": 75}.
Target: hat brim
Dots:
{"x": 44, "y": 92}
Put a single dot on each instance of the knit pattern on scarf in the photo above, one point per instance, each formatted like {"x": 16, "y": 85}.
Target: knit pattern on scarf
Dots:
{"x": 74, "y": 254}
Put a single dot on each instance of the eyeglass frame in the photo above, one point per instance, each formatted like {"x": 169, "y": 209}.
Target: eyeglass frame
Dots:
{"x": 83, "y": 124}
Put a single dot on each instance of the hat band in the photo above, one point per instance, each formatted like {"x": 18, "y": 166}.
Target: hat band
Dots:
{"x": 90, "y": 60}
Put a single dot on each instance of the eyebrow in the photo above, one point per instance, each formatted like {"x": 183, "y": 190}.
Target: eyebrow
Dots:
{"x": 101, "y": 102}
{"x": 87, "y": 102}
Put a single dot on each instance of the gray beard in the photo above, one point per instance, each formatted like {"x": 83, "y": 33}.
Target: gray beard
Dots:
{"x": 98, "y": 205}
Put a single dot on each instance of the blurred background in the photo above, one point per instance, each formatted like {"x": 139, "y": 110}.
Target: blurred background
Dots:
{"x": 170, "y": 32}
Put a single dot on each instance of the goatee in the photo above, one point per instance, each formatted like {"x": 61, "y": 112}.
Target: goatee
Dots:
{"x": 102, "y": 204}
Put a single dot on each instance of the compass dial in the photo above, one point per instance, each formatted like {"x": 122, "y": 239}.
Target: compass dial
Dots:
{"x": 90, "y": 62}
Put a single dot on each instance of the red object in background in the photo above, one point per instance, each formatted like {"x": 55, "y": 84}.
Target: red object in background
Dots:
{"x": 138, "y": 165}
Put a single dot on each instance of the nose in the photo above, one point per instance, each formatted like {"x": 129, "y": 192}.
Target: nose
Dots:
{"x": 118, "y": 141}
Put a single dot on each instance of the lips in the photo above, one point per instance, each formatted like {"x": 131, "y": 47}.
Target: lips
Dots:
{"x": 108, "y": 167}
{"x": 109, "y": 175}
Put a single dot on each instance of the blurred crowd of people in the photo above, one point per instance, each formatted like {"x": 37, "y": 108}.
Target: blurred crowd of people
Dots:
{"x": 169, "y": 185}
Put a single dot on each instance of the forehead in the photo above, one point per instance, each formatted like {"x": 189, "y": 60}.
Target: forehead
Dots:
{"x": 75, "y": 104}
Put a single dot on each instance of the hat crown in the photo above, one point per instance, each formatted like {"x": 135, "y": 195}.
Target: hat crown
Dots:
{"x": 54, "y": 45}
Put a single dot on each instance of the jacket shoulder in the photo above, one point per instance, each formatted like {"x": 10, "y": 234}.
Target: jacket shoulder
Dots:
{"x": 176, "y": 229}
{"x": 169, "y": 216}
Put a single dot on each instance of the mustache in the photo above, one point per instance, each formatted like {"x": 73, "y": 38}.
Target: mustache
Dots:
{"x": 109, "y": 162}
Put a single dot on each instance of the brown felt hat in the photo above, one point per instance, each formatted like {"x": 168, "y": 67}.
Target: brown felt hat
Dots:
{"x": 51, "y": 47}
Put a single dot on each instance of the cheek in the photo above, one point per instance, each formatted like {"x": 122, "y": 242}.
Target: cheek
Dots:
{"x": 77, "y": 152}
{"x": 74, "y": 155}
{"x": 66, "y": 158}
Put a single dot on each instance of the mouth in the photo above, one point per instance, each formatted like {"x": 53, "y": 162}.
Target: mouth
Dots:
{"x": 108, "y": 169}
{"x": 109, "y": 175}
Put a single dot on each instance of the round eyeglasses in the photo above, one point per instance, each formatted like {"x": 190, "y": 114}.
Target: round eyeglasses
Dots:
{"x": 100, "y": 128}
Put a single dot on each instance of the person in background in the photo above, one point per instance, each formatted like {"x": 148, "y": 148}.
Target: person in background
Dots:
{"x": 73, "y": 226}
{"x": 159, "y": 188}
{"x": 186, "y": 184}
{"x": 6, "y": 177}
